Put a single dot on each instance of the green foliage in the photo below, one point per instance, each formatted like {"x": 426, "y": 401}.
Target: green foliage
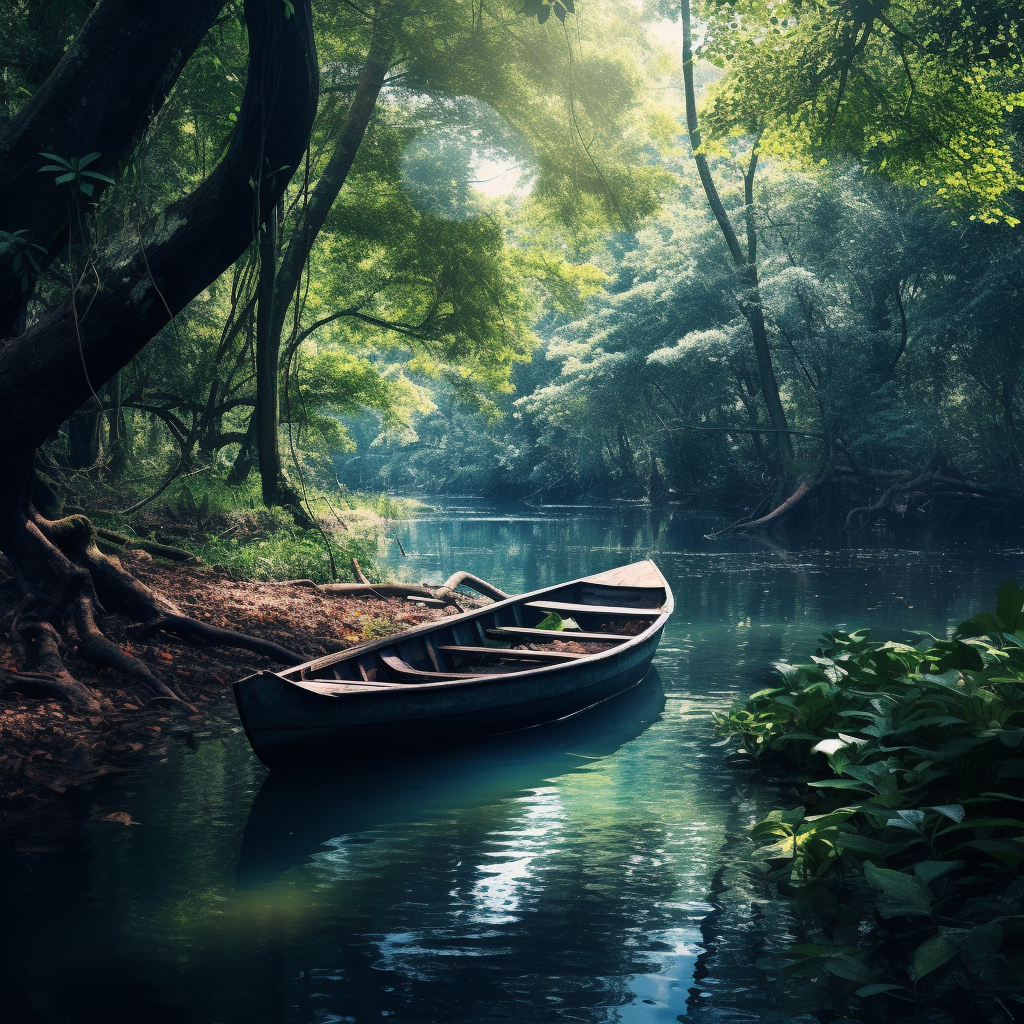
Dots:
{"x": 912, "y": 858}
{"x": 228, "y": 526}
{"x": 74, "y": 170}
{"x": 33, "y": 38}
{"x": 915, "y": 90}
{"x": 554, "y": 621}
{"x": 288, "y": 553}
{"x": 26, "y": 256}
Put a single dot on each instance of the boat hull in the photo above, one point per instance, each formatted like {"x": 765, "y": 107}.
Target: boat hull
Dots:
{"x": 296, "y": 717}
{"x": 287, "y": 725}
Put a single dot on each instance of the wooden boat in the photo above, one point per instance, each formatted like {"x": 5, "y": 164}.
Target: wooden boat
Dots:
{"x": 479, "y": 673}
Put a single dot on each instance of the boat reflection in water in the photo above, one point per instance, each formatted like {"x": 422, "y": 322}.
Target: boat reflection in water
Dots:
{"x": 298, "y": 812}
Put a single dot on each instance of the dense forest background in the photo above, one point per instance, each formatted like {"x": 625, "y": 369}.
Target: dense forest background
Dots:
{"x": 557, "y": 257}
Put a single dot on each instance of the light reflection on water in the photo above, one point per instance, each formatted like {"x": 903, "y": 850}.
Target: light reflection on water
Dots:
{"x": 563, "y": 875}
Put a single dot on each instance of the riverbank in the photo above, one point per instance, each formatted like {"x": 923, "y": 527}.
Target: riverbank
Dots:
{"x": 50, "y": 752}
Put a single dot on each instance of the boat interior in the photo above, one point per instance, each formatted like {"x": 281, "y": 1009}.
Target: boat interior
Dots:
{"x": 496, "y": 640}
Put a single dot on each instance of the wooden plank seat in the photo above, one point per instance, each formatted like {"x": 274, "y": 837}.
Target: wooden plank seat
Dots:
{"x": 328, "y": 686}
{"x": 513, "y": 655}
{"x": 609, "y": 611}
{"x": 401, "y": 669}
{"x": 550, "y": 635}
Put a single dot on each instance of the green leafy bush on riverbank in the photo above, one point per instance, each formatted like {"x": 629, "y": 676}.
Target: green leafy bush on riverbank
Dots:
{"x": 904, "y": 862}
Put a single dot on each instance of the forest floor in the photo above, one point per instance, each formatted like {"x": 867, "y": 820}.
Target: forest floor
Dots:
{"x": 50, "y": 753}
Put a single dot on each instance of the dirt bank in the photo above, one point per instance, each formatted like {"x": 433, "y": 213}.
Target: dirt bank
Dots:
{"x": 50, "y": 753}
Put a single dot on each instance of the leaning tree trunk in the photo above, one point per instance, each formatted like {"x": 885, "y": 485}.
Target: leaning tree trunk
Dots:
{"x": 57, "y": 363}
{"x": 346, "y": 145}
{"x": 745, "y": 263}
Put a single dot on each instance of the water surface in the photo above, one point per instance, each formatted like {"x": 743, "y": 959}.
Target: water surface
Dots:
{"x": 562, "y": 875}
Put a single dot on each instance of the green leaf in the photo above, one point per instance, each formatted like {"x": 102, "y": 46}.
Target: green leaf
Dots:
{"x": 1011, "y": 737}
{"x": 1009, "y": 603}
{"x": 907, "y": 894}
{"x": 98, "y": 176}
{"x": 818, "y": 822}
{"x": 872, "y": 847}
{"x": 1009, "y": 851}
{"x": 552, "y": 621}
{"x": 953, "y": 811}
{"x": 874, "y": 990}
{"x": 929, "y": 870}
{"x": 849, "y": 968}
{"x": 64, "y": 165}
{"x": 932, "y": 953}
{"x": 983, "y": 942}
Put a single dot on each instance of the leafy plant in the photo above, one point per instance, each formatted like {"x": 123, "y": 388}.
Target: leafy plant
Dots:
{"x": 912, "y": 759}
{"x": 75, "y": 170}
{"x": 25, "y": 256}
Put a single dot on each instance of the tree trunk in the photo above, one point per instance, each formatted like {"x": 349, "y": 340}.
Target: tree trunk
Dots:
{"x": 745, "y": 263}
{"x": 242, "y": 466}
{"x": 268, "y": 354}
{"x": 84, "y": 436}
{"x": 117, "y": 429}
{"x": 195, "y": 239}
{"x": 312, "y": 218}
{"x": 51, "y": 369}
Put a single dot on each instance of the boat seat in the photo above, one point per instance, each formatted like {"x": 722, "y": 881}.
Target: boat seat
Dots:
{"x": 550, "y": 635}
{"x": 328, "y": 686}
{"x": 505, "y": 652}
{"x": 403, "y": 670}
{"x": 609, "y": 611}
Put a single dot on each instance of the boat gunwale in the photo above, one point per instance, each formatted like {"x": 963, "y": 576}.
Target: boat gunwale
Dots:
{"x": 363, "y": 690}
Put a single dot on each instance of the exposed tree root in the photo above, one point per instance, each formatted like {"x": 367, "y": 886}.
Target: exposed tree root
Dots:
{"x": 775, "y": 516}
{"x": 187, "y": 628}
{"x": 37, "y": 647}
{"x": 121, "y": 540}
{"x": 68, "y": 585}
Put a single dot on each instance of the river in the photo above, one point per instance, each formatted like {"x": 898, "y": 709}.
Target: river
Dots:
{"x": 586, "y": 871}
